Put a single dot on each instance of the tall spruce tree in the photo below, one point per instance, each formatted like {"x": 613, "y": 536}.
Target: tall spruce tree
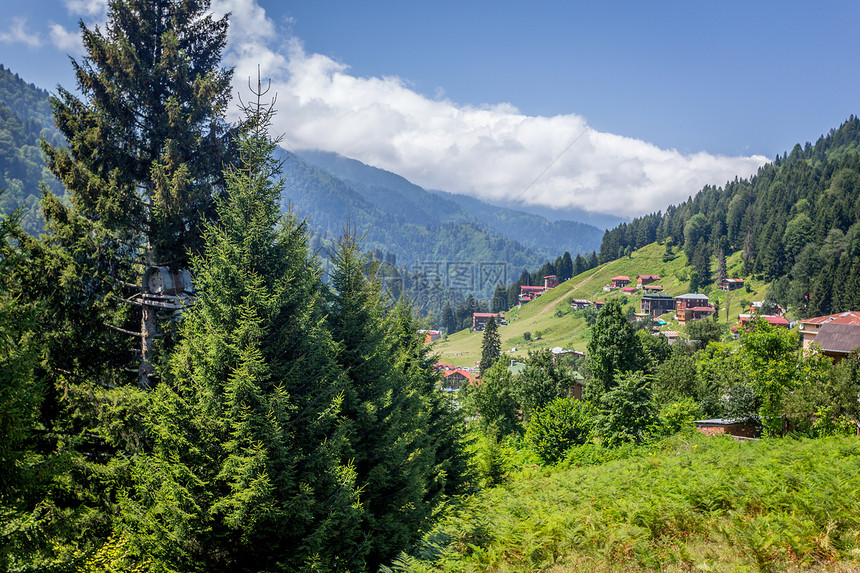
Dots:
{"x": 145, "y": 146}
{"x": 491, "y": 345}
{"x": 385, "y": 409}
{"x": 248, "y": 466}
{"x": 613, "y": 349}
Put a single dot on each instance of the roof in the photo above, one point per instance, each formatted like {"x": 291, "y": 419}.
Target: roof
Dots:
{"x": 522, "y": 288}
{"x": 701, "y": 308}
{"x": 487, "y": 314}
{"x": 551, "y": 277}
{"x": 849, "y": 317}
{"x": 628, "y": 289}
{"x": 775, "y": 320}
{"x": 733, "y": 280}
{"x": 657, "y": 296}
{"x": 621, "y": 278}
{"x": 447, "y": 373}
{"x": 720, "y": 422}
{"x": 581, "y": 301}
{"x": 838, "y": 337}
{"x": 655, "y": 277}
{"x": 693, "y": 296}
{"x": 652, "y": 287}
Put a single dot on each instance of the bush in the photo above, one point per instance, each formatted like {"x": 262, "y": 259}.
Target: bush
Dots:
{"x": 527, "y": 335}
{"x": 563, "y": 423}
{"x": 678, "y": 415}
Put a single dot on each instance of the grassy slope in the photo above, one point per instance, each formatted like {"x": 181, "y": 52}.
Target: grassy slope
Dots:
{"x": 690, "y": 503}
{"x": 551, "y": 316}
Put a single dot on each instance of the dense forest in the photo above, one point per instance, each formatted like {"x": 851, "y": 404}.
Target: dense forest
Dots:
{"x": 797, "y": 223}
{"x": 25, "y": 119}
{"x": 255, "y": 419}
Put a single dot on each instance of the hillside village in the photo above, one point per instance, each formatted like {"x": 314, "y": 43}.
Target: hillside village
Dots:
{"x": 556, "y": 314}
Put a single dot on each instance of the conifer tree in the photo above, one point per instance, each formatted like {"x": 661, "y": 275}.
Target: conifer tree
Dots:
{"x": 612, "y": 350}
{"x": 248, "y": 469}
{"x": 145, "y": 146}
{"x": 491, "y": 345}
{"x": 387, "y": 410}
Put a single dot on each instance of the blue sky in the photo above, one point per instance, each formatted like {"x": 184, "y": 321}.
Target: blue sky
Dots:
{"x": 619, "y": 107}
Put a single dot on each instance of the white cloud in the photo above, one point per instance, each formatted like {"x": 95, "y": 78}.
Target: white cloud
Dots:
{"x": 17, "y": 33}
{"x": 65, "y": 40}
{"x": 491, "y": 151}
{"x": 93, "y": 9}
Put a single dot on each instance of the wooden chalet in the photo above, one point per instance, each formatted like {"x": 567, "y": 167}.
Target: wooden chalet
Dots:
{"x": 619, "y": 282}
{"x": 480, "y": 319}
{"x": 642, "y": 280}
{"x": 731, "y": 284}
{"x": 692, "y": 306}
{"x": 812, "y": 326}
{"x": 657, "y": 303}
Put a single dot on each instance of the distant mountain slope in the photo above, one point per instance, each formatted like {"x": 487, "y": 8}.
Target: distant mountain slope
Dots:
{"x": 396, "y": 195}
{"x": 330, "y": 202}
{"x": 796, "y": 222}
{"x": 25, "y": 118}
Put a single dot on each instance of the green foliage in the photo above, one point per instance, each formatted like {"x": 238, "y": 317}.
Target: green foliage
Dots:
{"x": 25, "y": 118}
{"x": 613, "y": 349}
{"x": 703, "y": 332}
{"x": 677, "y": 416}
{"x": 492, "y": 401}
{"x": 553, "y": 429}
{"x": 691, "y": 503}
{"x": 491, "y": 345}
{"x": 542, "y": 381}
{"x": 627, "y": 411}
{"x": 675, "y": 378}
{"x": 771, "y": 358}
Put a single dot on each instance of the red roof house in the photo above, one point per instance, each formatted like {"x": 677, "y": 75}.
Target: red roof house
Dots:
{"x": 619, "y": 281}
{"x": 642, "y": 280}
{"x": 812, "y": 326}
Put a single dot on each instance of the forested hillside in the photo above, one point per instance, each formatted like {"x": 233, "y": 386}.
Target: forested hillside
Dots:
{"x": 25, "y": 118}
{"x": 330, "y": 203}
{"x": 797, "y": 223}
{"x": 397, "y": 196}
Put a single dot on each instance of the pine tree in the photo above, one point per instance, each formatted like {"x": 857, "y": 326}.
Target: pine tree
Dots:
{"x": 612, "y": 350}
{"x": 247, "y": 470}
{"x": 491, "y": 345}
{"x": 144, "y": 144}
{"x": 385, "y": 414}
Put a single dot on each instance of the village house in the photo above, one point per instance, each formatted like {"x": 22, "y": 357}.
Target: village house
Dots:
{"x": 579, "y": 303}
{"x": 455, "y": 379}
{"x": 745, "y": 319}
{"x": 529, "y": 293}
{"x": 642, "y": 280}
{"x": 811, "y": 327}
{"x": 692, "y": 307}
{"x": 729, "y": 427}
{"x": 657, "y": 303}
{"x": 731, "y": 284}
{"x": 480, "y": 319}
{"x": 628, "y": 290}
{"x": 652, "y": 288}
{"x": 430, "y": 335}
{"x": 838, "y": 340}
{"x": 619, "y": 282}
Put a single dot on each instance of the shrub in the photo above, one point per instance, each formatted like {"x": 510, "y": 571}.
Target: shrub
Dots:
{"x": 678, "y": 415}
{"x": 527, "y": 335}
{"x": 563, "y": 423}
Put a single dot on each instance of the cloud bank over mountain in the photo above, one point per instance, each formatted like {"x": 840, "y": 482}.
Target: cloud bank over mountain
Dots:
{"x": 492, "y": 151}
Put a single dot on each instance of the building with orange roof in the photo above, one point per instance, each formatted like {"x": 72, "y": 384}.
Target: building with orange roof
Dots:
{"x": 811, "y": 327}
